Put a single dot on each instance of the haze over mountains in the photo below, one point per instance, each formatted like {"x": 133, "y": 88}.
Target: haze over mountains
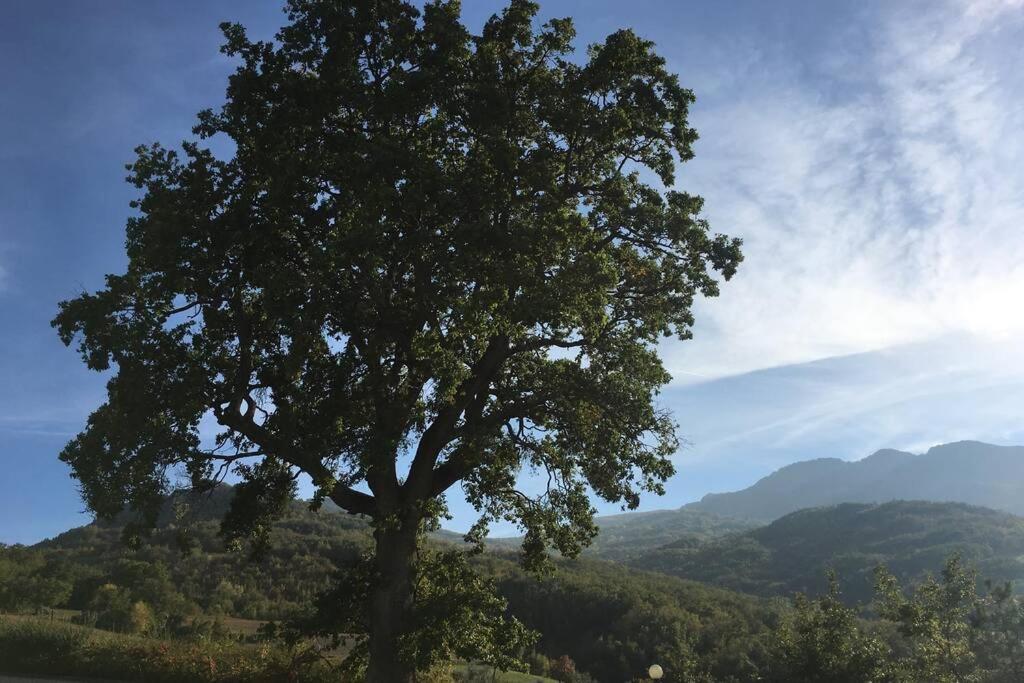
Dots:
{"x": 780, "y": 535}
{"x": 964, "y": 472}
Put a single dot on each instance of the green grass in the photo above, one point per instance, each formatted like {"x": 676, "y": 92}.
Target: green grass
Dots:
{"x": 51, "y": 646}
{"x": 517, "y": 677}
{"x": 245, "y": 627}
{"x": 508, "y": 676}
{"x": 41, "y": 646}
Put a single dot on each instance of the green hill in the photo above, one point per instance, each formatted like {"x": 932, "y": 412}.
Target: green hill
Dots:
{"x": 793, "y": 553}
{"x": 634, "y": 533}
{"x": 626, "y": 536}
{"x": 304, "y": 550}
{"x": 611, "y": 620}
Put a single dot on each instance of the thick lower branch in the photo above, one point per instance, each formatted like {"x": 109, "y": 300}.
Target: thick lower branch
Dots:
{"x": 441, "y": 432}
{"x": 345, "y": 497}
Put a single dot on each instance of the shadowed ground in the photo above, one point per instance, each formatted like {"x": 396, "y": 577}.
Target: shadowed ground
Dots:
{"x": 33, "y": 679}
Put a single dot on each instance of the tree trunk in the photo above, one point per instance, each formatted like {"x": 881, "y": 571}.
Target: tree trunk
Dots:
{"x": 391, "y": 603}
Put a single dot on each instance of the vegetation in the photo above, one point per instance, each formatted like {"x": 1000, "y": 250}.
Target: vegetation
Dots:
{"x": 614, "y": 624}
{"x": 429, "y": 247}
{"x": 596, "y": 621}
{"x": 941, "y": 631}
{"x": 626, "y": 536}
{"x": 610, "y": 625}
{"x": 822, "y": 641}
{"x": 41, "y": 646}
{"x": 794, "y": 554}
{"x": 304, "y": 550}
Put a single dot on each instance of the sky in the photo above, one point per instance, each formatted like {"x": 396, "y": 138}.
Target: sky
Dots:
{"x": 868, "y": 153}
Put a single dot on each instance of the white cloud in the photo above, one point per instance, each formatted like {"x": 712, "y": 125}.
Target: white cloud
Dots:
{"x": 881, "y": 205}
{"x": 912, "y": 397}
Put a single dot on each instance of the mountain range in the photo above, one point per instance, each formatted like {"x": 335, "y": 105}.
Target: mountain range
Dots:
{"x": 781, "y": 535}
{"x": 963, "y": 472}
{"x": 777, "y": 537}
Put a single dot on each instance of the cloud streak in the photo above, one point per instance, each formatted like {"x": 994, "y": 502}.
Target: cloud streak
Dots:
{"x": 881, "y": 201}
{"x": 742, "y": 427}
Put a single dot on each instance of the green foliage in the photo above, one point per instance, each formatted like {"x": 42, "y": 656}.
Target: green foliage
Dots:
{"x": 997, "y": 635}
{"x": 44, "y": 647}
{"x": 822, "y": 641}
{"x": 141, "y": 619}
{"x": 478, "y": 673}
{"x": 113, "y": 607}
{"x": 935, "y": 621}
{"x": 305, "y": 550}
{"x": 626, "y": 536}
{"x": 609, "y": 620}
{"x": 940, "y": 631}
{"x": 447, "y": 210}
{"x": 457, "y": 614}
{"x": 794, "y": 554}
{"x": 427, "y": 242}
{"x": 614, "y": 623}
{"x": 29, "y": 582}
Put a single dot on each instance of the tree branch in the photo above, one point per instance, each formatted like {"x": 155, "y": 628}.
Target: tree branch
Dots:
{"x": 440, "y": 432}
{"x": 345, "y": 497}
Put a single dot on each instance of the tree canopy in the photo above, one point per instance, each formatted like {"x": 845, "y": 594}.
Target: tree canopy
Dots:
{"x": 433, "y": 257}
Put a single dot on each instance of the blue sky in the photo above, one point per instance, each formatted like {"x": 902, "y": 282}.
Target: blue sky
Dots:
{"x": 868, "y": 152}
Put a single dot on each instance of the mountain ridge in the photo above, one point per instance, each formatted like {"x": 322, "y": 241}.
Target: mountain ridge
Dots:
{"x": 969, "y": 472}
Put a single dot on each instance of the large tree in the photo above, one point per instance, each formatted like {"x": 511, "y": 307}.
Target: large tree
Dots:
{"x": 432, "y": 257}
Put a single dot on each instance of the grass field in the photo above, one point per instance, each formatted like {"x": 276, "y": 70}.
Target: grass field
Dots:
{"x": 509, "y": 676}
{"x": 46, "y": 646}
{"x": 52, "y": 646}
{"x": 243, "y": 627}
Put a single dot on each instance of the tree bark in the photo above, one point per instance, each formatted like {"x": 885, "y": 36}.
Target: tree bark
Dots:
{"x": 391, "y": 602}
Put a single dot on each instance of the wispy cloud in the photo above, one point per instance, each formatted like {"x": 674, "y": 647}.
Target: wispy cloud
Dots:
{"x": 4, "y": 259}
{"x": 39, "y": 423}
{"x": 912, "y": 397}
{"x": 882, "y": 200}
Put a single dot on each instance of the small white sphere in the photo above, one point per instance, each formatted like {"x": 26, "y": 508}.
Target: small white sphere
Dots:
{"x": 655, "y": 672}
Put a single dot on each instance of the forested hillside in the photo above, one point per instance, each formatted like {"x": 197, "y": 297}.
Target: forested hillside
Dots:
{"x": 607, "y": 620}
{"x": 793, "y": 553}
{"x": 186, "y": 566}
{"x": 629, "y": 535}
{"x": 595, "y": 620}
{"x": 964, "y": 472}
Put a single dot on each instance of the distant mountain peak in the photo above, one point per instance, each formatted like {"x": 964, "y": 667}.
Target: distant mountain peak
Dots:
{"x": 970, "y": 472}
{"x": 888, "y": 455}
